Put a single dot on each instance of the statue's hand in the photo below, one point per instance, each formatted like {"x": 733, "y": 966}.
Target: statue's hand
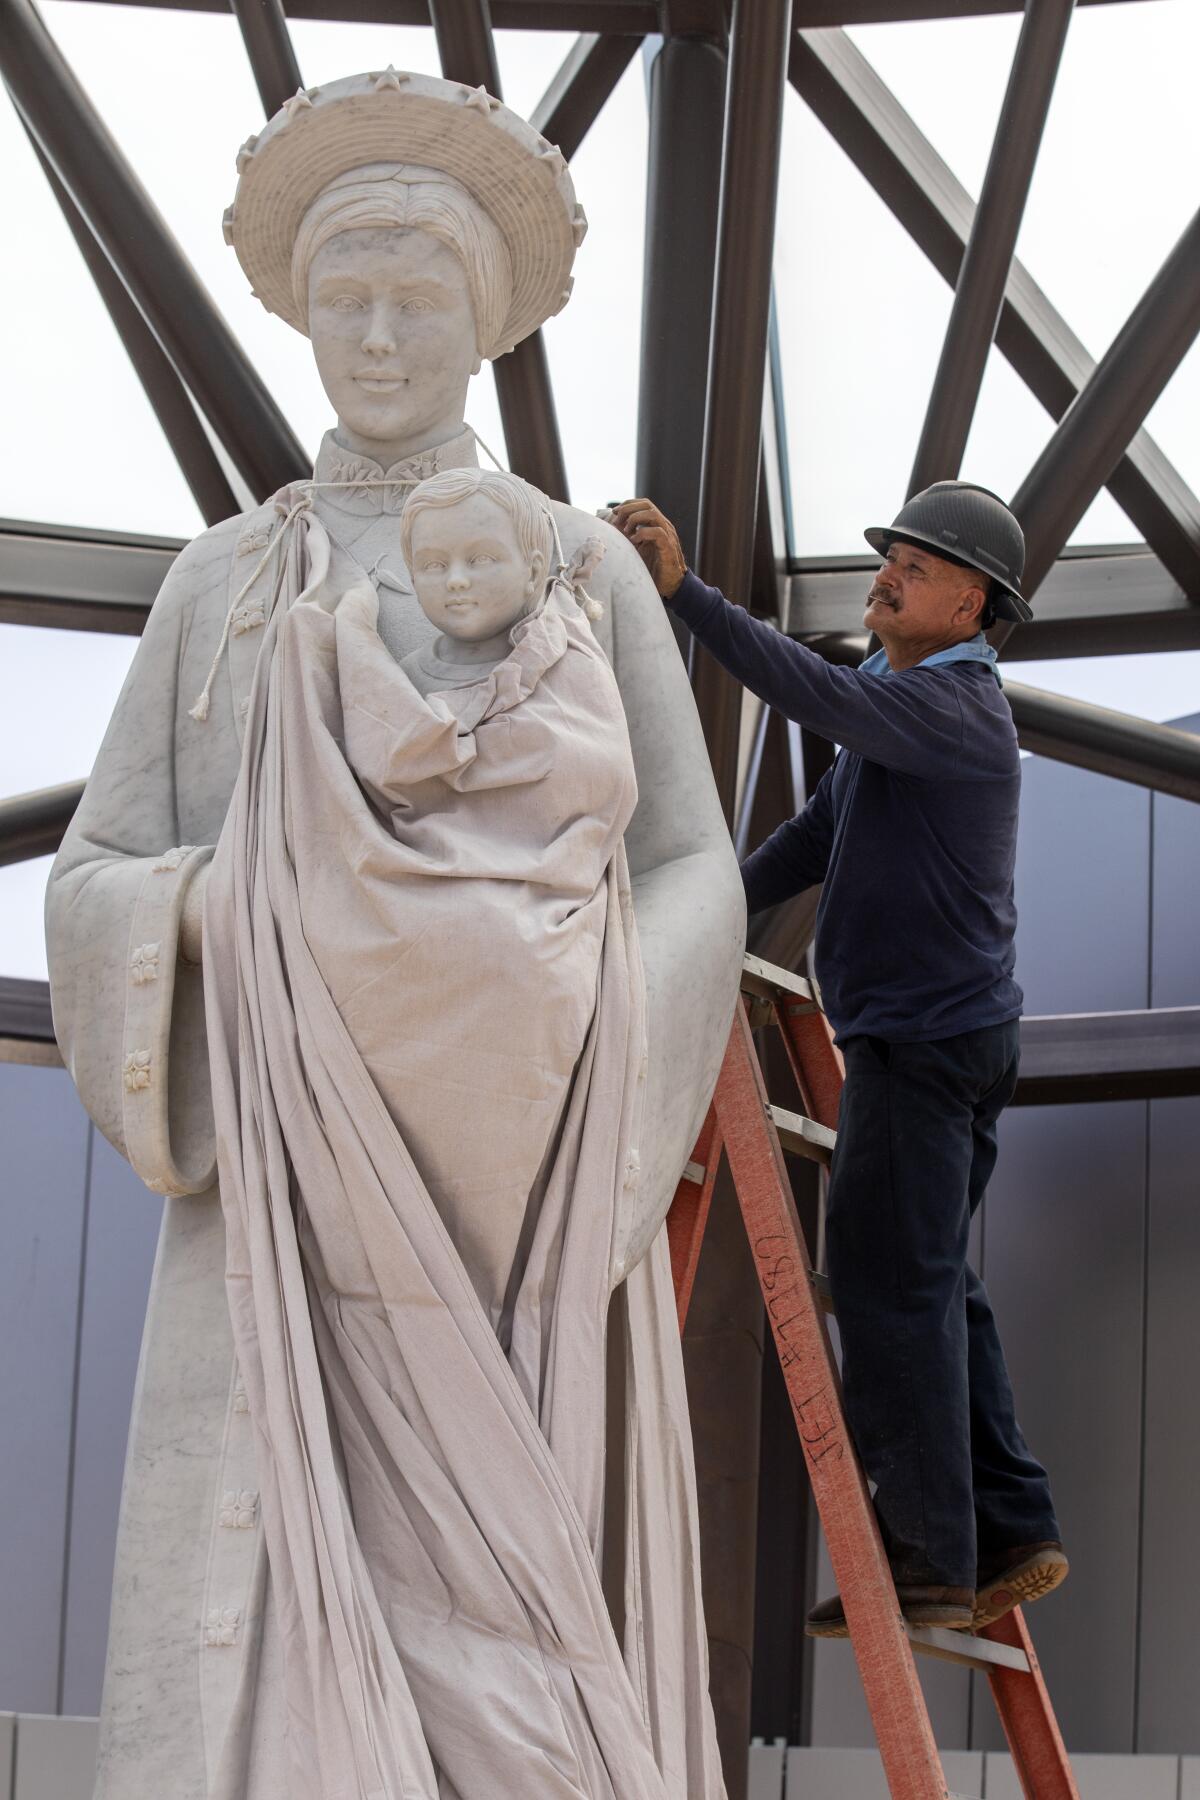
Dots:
{"x": 656, "y": 541}
{"x": 191, "y": 925}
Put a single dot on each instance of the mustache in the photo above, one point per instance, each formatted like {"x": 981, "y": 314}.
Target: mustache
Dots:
{"x": 878, "y": 593}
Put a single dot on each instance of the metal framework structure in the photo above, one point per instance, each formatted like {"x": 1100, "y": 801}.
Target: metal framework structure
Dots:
{"x": 711, "y": 449}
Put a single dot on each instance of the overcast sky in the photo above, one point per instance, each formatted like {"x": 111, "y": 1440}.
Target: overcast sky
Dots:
{"x": 862, "y": 313}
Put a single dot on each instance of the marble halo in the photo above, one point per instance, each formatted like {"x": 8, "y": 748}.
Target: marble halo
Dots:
{"x": 518, "y": 177}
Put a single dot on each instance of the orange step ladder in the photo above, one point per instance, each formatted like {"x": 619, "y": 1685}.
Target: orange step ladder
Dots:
{"x": 753, "y": 1134}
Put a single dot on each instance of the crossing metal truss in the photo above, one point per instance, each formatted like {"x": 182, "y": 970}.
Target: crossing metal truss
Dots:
{"x": 712, "y": 450}
{"x": 715, "y": 92}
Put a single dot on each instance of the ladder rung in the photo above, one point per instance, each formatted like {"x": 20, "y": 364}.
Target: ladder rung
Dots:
{"x": 767, "y": 982}
{"x": 803, "y": 1137}
{"x": 964, "y": 1647}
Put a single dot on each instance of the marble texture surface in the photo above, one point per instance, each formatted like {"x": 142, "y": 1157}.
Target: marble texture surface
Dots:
{"x": 129, "y": 1010}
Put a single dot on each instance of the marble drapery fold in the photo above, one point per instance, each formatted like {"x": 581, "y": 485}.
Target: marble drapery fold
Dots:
{"x": 432, "y": 1504}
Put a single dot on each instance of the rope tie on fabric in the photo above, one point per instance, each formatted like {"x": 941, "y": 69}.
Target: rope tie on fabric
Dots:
{"x": 572, "y": 575}
{"x": 200, "y": 710}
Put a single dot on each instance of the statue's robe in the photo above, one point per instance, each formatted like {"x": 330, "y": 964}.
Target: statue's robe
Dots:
{"x": 190, "y": 1600}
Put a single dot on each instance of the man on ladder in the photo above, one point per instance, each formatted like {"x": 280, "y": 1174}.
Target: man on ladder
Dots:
{"x": 912, "y": 833}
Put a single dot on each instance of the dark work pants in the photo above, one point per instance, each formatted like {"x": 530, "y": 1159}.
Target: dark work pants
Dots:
{"x": 927, "y": 1393}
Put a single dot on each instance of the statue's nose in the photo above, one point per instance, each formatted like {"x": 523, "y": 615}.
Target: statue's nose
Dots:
{"x": 379, "y": 339}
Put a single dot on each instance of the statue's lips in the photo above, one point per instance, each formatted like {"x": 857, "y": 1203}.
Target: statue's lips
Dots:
{"x": 381, "y": 384}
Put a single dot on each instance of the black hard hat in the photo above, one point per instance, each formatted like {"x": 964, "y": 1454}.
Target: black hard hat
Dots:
{"x": 968, "y": 525}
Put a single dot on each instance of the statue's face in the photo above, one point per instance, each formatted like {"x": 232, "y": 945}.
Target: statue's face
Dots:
{"x": 471, "y": 579}
{"x": 393, "y": 332}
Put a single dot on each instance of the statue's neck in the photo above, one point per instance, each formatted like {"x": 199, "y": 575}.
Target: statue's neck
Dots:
{"x": 357, "y": 482}
{"x": 386, "y": 451}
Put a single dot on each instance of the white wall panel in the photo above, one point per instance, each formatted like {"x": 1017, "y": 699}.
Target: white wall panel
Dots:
{"x": 56, "y": 1759}
{"x": 1098, "y": 1777}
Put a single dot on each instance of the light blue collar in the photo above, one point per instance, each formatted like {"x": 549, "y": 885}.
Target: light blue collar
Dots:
{"x": 976, "y": 649}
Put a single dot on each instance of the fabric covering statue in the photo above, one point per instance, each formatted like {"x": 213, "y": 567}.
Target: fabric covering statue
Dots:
{"x": 411, "y": 1512}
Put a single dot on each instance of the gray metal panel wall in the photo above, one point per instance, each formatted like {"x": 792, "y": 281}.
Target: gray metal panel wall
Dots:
{"x": 123, "y": 1225}
{"x": 1083, "y": 891}
{"x": 1063, "y": 1265}
{"x": 1065, "y": 1239}
{"x": 1064, "y": 1259}
{"x": 78, "y": 1232}
{"x": 42, "y": 1208}
{"x": 1175, "y": 964}
{"x": 839, "y": 1712}
{"x": 1168, "y": 1717}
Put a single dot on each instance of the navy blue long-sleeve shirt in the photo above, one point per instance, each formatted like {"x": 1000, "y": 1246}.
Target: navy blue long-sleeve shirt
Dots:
{"x": 912, "y": 831}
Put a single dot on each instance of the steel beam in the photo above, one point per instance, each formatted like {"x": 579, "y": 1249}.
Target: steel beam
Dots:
{"x": 1094, "y": 434}
{"x": 1094, "y": 602}
{"x": 135, "y": 237}
{"x": 687, "y": 95}
{"x": 33, "y": 824}
{"x": 25, "y": 1010}
{"x": 576, "y": 97}
{"x": 1152, "y": 1055}
{"x": 983, "y": 277}
{"x": 468, "y": 54}
{"x": 738, "y": 348}
{"x": 1065, "y": 1059}
{"x": 64, "y": 577}
{"x": 1074, "y": 731}
{"x": 687, "y": 110}
{"x": 879, "y": 12}
{"x": 616, "y": 15}
{"x": 1102, "y": 601}
{"x": 269, "y": 51}
{"x": 730, "y": 1310}
{"x": 1107, "y": 742}
{"x": 871, "y": 126}
{"x": 190, "y": 446}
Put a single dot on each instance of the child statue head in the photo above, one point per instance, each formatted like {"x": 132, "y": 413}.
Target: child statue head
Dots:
{"x": 480, "y": 547}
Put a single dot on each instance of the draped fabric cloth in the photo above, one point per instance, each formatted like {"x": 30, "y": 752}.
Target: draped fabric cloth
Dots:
{"x": 426, "y": 1027}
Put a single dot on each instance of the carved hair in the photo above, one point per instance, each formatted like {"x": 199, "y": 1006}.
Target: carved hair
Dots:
{"x": 529, "y": 512}
{"x": 410, "y": 197}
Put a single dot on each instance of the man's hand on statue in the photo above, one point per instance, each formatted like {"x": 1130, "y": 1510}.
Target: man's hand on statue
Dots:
{"x": 191, "y": 925}
{"x": 656, "y": 541}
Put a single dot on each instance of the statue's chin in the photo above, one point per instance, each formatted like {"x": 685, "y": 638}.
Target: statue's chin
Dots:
{"x": 397, "y": 433}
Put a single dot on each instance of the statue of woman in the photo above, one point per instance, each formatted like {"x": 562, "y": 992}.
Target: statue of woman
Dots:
{"x": 410, "y": 227}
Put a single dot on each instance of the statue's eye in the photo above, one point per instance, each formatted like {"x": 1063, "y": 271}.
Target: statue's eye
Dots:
{"x": 346, "y": 303}
{"x": 418, "y": 304}
{"x": 483, "y": 557}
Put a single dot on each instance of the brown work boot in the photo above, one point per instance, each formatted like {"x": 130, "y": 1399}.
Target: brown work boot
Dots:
{"x": 1014, "y": 1577}
{"x": 949, "y": 1607}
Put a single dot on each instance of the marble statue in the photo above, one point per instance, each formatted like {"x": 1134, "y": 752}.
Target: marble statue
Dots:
{"x": 383, "y": 1546}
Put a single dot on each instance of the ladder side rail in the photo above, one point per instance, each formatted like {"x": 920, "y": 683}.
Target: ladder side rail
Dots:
{"x": 816, "y": 1060}
{"x": 687, "y": 1217}
{"x": 893, "y": 1692}
{"x": 1027, "y": 1715}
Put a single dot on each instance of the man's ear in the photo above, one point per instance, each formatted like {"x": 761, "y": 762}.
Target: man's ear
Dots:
{"x": 974, "y": 602}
